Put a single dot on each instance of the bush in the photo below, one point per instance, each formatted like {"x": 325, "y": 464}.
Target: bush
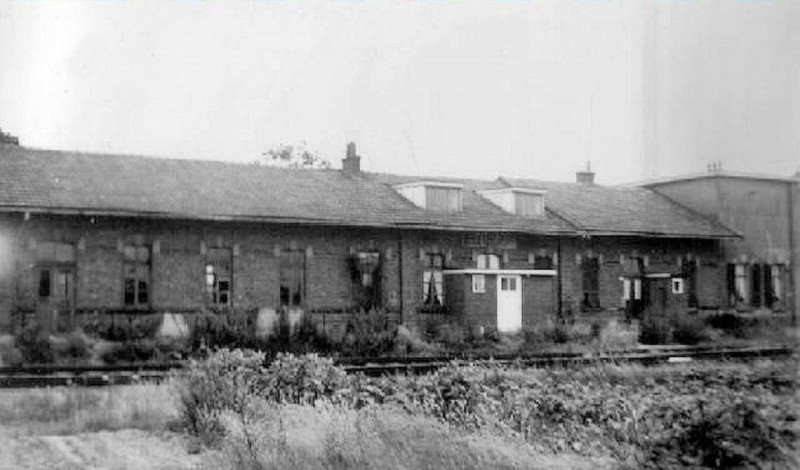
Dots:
{"x": 744, "y": 434}
{"x": 654, "y": 330}
{"x": 368, "y": 334}
{"x": 226, "y": 381}
{"x": 75, "y": 346}
{"x": 34, "y": 344}
{"x": 301, "y": 380}
{"x": 10, "y": 355}
{"x": 689, "y": 330}
{"x": 135, "y": 351}
{"x": 618, "y": 335}
{"x": 409, "y": 341}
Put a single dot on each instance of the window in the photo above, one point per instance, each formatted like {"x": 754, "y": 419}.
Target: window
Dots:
{"x": 488, "y": 262}
{"x": 590, "y": 270}
{"x": 530, "y": 205}
{"x": 478, "y": 283}
{"x": 629, "y": 285}
{"x": 689, "y": 274}
{"x": 755, "y": 285}
{"x": 441, "y": 199}
{"x": 365, "y": 271}
{"x": 508, "y": 283}
{"x": 292, "y": 278}
{"x": 524, "y": 202}
{"x": 55, "y": 273}
{"x": 44, "y": 283}
{"x": 432, "y": 280}
{"x": 219, "y": 276}
{"x": 677, "y": 285}
{"x": 776, "y": 283}
{"x": 136, "y": 276}
{"x": 740, "y": 283}
{"x": 433, "y": 195}
{"x": 543, "y": 262}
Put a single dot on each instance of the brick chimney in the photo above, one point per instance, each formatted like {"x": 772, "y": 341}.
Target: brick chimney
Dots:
{"x": 351, "y": 164}
{"x": 8, "y": 138}
{"x": 585, "y": 177}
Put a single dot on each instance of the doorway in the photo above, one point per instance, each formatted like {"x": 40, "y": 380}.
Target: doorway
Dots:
{"x": 509, "y": 303}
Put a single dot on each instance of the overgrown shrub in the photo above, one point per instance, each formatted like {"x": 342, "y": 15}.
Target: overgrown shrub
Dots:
{"x": 226, "y": 380}
{"x": 301, "y": 380}
{"x": 689, "y": 330}
{"x": 222, "y": 330}
{"x": 747, "y": 433}
{"x": 76, "y": 345}
{"x": 654, "y": 330}
{"x": 368, "y": 334}
{"x": 10, "y": 355}
{"x": 133, "y": 351}
{"x": 34, "y": 344}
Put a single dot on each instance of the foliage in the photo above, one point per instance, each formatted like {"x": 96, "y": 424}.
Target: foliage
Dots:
{"x": 122, "y": 328}
{"x": 223, "y": 381}
{"x": 294, "y": 156}
{"x": 76, "y": 345}
{"x": 368, "y": 334}
{"x": 34, "y": 344}
{"x": 654, "y": 330}
{"x": 633, "y": 414}
{"x": 301, "y": 380}
{"x": 222, "y": 330}
{"x": 132, "y": 351}
{"x": 690, "y": 330}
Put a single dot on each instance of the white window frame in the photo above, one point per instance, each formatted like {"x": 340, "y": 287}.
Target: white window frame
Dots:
{"x": 488, "y": 261}
{"x": 678, "y": 285}
{"x": 478, "y": 283}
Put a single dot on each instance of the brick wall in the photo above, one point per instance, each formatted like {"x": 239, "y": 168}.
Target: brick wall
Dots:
{"x": 662, "y": 255}
{"x": 177, "y": 265}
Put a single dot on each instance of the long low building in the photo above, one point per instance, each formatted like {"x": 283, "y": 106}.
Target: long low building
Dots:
{"x": 87, "y": 233}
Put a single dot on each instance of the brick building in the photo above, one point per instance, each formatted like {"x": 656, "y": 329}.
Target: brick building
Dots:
{"x": 108, "y": 233}
{"x": 761, "y": 266}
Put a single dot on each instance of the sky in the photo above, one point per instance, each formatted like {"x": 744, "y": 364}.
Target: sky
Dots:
{"x": 523, "y": 88}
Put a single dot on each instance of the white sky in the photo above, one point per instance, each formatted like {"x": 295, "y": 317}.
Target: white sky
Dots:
{"x": 521, "y": 88}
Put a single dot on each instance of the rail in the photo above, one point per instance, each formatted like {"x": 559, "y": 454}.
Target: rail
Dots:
{"x": 63, "y": 375}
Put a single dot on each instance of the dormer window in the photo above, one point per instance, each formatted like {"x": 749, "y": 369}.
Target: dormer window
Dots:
{"x": 518, "y": 201}
{"x": 433, "y": 195}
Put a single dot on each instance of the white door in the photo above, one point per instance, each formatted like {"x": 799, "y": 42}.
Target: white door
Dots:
{"x": 509, "y": 303}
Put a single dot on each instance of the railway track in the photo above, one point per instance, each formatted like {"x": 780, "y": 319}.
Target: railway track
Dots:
{"x": 50, "y": 375}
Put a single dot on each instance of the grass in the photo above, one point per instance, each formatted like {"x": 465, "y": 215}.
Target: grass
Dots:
{"x": 72, "y": 410}
{"x": 604, "y": 416}
{"x": 306, "y": 437}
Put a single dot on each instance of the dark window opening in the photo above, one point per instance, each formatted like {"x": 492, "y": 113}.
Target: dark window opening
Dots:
{"x": 433, "y": 280}
{"x": 366, "y": 280}
{"x": 292, "y": 278}
{"x": 543, "y": 262}
{"x": 219, "y": 276}
{"x": 44, "y": 283}
{"x": 136, "y": 276}
{"x": 755, "y": 285}
{"x": 689, "y": 273}
{"x": 590, "y": 269}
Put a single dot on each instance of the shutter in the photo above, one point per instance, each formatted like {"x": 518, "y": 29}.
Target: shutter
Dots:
{"x": 731, "y": 283}
{"x": 769, "y": 295}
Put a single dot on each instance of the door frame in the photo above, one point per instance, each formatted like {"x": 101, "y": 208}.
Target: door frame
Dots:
{"x": 517, "y": 280}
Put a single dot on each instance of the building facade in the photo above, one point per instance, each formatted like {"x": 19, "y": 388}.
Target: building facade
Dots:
{"x": 762, "y": 265}
{"x": 87, "y": 233}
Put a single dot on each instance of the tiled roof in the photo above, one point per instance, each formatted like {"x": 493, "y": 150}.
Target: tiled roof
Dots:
{"x": 58, "y": 181}
{"x": 623, "y": 210}
{"x": 133, "y": 185}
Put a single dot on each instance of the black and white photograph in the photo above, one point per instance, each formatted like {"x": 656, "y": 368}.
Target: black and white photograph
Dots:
{"x": 399, "y": 234}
